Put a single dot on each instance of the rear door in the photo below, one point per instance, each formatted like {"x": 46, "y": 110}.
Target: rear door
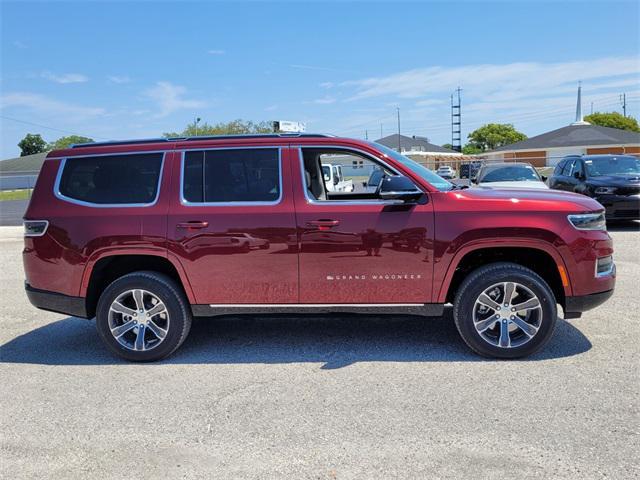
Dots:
{"x": 354, "y": 247}
{"x": 231, "y": 223}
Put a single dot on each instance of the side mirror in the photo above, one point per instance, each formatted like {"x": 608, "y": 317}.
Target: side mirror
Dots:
{"x": 398, "y": 187}
{"x": 336, "y": 180}
{"x": 578, "y": 175}
{"x": 543, "y": 177}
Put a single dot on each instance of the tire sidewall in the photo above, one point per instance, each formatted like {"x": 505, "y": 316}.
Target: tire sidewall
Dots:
{"x": 159, "y": 287}
{"x": 480, "y": 281}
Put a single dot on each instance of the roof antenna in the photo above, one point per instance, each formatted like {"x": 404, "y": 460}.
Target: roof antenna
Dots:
{"x": 579, "y": 118}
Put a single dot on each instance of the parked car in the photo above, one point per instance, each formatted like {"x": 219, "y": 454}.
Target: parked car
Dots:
{"x": 509, "y": 175}
{"x": 374, "y": 180}
{"x": 445, "y": 171}
{"x": 469, "y": 170}
{"x": 613, "y": 180}
{"x": 128, "y": 233}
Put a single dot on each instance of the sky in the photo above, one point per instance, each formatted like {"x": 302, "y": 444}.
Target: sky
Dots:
{"x": 118, "y": 70}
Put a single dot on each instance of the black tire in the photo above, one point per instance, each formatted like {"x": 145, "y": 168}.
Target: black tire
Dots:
{"x": 484, "y": 278}
{"x": 168, "y": 292}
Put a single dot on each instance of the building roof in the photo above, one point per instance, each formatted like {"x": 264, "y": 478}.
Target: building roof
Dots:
{"x": 412, "y": 143}
{"x": 575, "y": 135}
{"x": 28, "y": 163}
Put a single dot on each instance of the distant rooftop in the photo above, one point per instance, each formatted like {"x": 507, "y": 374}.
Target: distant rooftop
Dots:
{"x": 576, "y": 135}
{"x": 418, "y": 144}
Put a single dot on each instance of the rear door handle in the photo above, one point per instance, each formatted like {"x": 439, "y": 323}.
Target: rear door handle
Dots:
{"x": 193, "y": 225}
{"x": 323, "y": 224}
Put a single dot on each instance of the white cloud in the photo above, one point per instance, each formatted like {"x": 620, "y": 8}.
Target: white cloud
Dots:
{"x": 327, "y": 85}
{"x": 216, "y": 52}
{"x": 169, "y": 98}
{"x": 42, "y": 104}
{"x": 271, "y": 108}
{"x": 19, "y": 44}
{"x": 326, "y": 100}
{"x": 65, "y": 77}
{"x": 119, "y": 79}
{"x": 513, "y": 80}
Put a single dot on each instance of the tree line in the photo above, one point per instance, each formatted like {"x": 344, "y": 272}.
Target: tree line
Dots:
{"x": 486, "y": 138}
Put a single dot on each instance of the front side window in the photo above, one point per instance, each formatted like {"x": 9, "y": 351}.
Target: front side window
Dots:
{"x": 337, "y": 174}
{"x": 231, "y": 176}
{"x": 112, "y": 179}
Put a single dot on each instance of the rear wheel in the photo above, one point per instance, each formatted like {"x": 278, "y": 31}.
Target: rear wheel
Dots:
{"x": 505, "y": 310}
{"x": 143, "y": 316}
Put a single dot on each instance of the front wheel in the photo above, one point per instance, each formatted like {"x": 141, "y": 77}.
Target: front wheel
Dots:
{"x": 143, "y": 316}
{"x": 505, "y": 310}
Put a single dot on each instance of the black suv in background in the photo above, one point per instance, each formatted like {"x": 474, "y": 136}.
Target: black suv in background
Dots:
{"x": 613, "y": 180}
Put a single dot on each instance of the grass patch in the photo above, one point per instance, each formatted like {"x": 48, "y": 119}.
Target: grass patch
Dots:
{"x": 15, "y": 194}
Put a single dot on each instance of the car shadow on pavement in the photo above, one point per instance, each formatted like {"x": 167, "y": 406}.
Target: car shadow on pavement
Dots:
{"x": 334, "y": 340}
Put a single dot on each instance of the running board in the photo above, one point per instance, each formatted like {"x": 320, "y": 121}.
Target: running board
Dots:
{"x": 423, "y": 309}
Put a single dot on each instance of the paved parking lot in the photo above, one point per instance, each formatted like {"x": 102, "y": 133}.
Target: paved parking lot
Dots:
{"x": 320, "y": 397}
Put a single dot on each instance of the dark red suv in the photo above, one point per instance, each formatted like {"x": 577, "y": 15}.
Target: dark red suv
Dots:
{"x": 144, "y": 235}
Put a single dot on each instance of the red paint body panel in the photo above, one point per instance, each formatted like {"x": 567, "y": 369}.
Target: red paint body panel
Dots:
{"x": 272, "y": 254}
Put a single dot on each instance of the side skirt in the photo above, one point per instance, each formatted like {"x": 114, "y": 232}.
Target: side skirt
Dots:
{"x": 423, "y": 309}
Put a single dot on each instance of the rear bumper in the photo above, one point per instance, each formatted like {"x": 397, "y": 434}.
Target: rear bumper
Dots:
{"x": 56, "y": 302}
{"x": 576, "y": 305}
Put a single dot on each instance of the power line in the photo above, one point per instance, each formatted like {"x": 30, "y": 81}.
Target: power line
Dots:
{"x": 51, "y": 128}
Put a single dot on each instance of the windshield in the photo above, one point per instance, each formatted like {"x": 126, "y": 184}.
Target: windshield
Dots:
{"x": 511, "y": 173}
{"x": 326, "y": 171}
{"x": 433, "y": 179}
{"x": 612, "y": 166}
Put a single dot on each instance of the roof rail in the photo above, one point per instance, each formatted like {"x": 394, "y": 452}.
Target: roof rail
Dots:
{"x": 203, "y": 137}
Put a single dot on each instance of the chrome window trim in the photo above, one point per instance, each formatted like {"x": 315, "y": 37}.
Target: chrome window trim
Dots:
{"x": 314, "y": 201}
{"x": 56, "y": 186}
{"x": 257, "y": 203}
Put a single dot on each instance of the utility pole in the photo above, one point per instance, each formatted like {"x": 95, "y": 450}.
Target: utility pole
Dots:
{"x": 381, "y": 130}
{"x": 366, "y": 135}
{"x": 456, "y": 122}
{"x": 623, "y": 101}
{"x": 591, "y": 108}
{"x": 399, "y": 149}
{"x": 195, "y": 122}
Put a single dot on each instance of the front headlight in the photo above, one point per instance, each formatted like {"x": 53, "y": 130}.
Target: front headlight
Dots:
{"x": 588, "y": 221}
{"x": 605, "y": 190}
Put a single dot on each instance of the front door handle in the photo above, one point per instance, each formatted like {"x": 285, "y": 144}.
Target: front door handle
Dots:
{"x": 323, "y": 224}
{"x": 190, "y": 225}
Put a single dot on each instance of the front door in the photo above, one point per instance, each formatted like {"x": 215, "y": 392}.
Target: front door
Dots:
{"x": 354, "y": 247}
{"x": 231, "y": 225}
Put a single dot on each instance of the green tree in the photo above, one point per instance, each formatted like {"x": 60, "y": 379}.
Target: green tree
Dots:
{"x": 469, "y": 149}
{"x": 494, "y": 135}
{"x": 66, "y": 142}
{"x": 613, "y": 120}
{"x": 32, "y": 143}
{"x": 234, "y": 127}
{"x": 448, "y": 145}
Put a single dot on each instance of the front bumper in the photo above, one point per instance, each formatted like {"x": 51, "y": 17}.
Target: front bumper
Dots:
{"x": 56, "y": 302}
{"x": 620, "y": 207}
{"x": 574, "y": 306}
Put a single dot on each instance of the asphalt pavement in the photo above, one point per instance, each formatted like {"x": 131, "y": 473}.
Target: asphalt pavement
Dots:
{"x": 320, "y": 397}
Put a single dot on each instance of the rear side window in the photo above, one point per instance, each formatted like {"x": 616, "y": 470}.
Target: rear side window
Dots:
{"x": 559, "y": 167}
{"x": 112, "y": 179}
{"x": 227, "y": 176}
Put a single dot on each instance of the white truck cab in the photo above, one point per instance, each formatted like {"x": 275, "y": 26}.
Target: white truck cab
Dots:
{"x": 334, "y": 180}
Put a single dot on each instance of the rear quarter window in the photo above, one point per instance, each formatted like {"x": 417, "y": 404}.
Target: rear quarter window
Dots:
{"x": 112, "y": 179}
